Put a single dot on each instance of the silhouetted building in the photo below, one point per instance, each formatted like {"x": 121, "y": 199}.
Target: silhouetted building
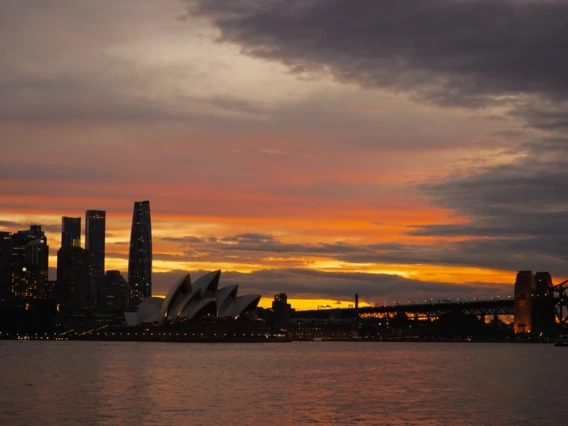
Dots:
{"x": 21, "y": 239}
{"x": 115, "y": 295}
{"x": 542, "y": 306}
{"x": 30, "y": 254}
{"x": 70, "y": 232}
{"x": 524, "y": 288}
{"x": 5, "y": 265}
{"x": 95, "y": 228}
{"x": 28, "y": 316}
{"x": 74, "y": 278}
{"x": 140, "y": 255}
{"x": 281, "y": 312}
{"x": 50, "y": 289}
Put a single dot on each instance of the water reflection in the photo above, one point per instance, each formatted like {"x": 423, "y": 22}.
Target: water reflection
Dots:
{"x": 299, "y": 383}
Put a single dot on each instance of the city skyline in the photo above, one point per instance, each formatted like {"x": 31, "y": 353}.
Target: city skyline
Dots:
{"x": 140, "y": 254}
{"x": 340, "y": 157}
{"x": 79, "y": 258}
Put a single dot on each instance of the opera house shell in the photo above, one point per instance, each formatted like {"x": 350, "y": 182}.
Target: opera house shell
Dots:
{"x": 190, "y": 301}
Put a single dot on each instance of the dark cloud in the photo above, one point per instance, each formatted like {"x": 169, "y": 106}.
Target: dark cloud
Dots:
{"x": 11, "y": 225}
{"x": 187, "y": 239}
{"x": 551, "y": 116}
{"x": 517, "y": 212}
{"x": 167, "y": 257}
{"x": 470, "y": 53}
{"x": 502, "y": 252}
{"x": 249, "y": 238}
{"x": 53, "y": 227}
{"x": 298, "y": 283}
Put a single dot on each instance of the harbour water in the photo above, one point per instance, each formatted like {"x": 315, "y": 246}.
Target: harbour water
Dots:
{"x": 110, "y": 383}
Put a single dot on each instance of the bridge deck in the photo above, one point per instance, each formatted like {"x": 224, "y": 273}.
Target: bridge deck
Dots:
{"x": 480, "y": 307}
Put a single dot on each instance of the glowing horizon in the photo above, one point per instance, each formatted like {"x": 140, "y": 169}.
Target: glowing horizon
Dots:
{"x": 320, "y": 169}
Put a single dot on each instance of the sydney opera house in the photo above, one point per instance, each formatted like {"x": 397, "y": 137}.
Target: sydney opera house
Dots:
{"x": 200, "y": 307}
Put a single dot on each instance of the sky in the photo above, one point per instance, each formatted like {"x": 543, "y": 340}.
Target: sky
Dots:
{"x": 401, "y": 150}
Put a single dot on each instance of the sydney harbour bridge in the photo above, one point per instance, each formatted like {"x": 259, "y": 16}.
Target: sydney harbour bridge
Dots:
{"x": 555, "y": 301}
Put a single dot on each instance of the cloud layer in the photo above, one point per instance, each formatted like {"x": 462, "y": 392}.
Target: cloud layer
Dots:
{"x": 392, "y": 147}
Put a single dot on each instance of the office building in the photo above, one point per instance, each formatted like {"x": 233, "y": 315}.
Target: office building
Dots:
{"x": 74, "y": 279}
{"x": 29, "y": 266}
{"x": 140, "y": 255}
{"x": 5, "y": 265}
{"x": 115, "y": 293}
{"x": 281, "y": 312}
{"x": 95, "y": 228}
{"x": 71, "y": 232}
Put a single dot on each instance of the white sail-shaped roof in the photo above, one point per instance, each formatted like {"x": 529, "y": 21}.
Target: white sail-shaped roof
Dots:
{"x": 245, "y": 303}
{"x": 175, "y": 311}
{"x": 194, "y": 307}
{"x": 181, "y": 288}
{"x": 150, "y": 306}
{"x": 227, "y": 310}
{"x": 225, "y": 295}
{"x": 131, "y": 318}
{"x": 208, "y": 283}
{"x": 155, "y": 317}
{"x": 185, "y": 301}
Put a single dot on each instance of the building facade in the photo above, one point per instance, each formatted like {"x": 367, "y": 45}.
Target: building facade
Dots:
{"x": 116, "y": 293}
{"x": 29, "y": 264}
{"x": 140, "y": 254}
{"x": 95, "y": 229}
{"x": 74, "y": 279}
{"x": 70, "y": 232}
{"x": 5, "y": 266}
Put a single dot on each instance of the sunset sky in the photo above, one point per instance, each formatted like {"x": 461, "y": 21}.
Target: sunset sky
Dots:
{"x": 402, "y": 150}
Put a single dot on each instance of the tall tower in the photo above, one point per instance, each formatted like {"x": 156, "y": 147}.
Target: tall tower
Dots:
{"x": 140, "y": 256}
{"x": 71, "y": 232}
{"x": 5, "y": 265}
{"x": 74, "y": 278}
{"x": 95, "y": 224}
{"x": 525, "y": 287}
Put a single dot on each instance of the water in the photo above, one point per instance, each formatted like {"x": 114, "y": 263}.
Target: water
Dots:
{"x": 95, "y": 383}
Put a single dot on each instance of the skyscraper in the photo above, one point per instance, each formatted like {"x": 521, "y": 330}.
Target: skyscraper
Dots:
{"x": 95, "y": 224}
{"x": 74, "y": 278}
{"x": 29, "y": 263}
{"x": 95, "y": 227}
{"x": 5, "y": 265}
{"x": 71, "y": 232}
{"x": 116, "y": 292}
{"x": 140, "y": 256}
